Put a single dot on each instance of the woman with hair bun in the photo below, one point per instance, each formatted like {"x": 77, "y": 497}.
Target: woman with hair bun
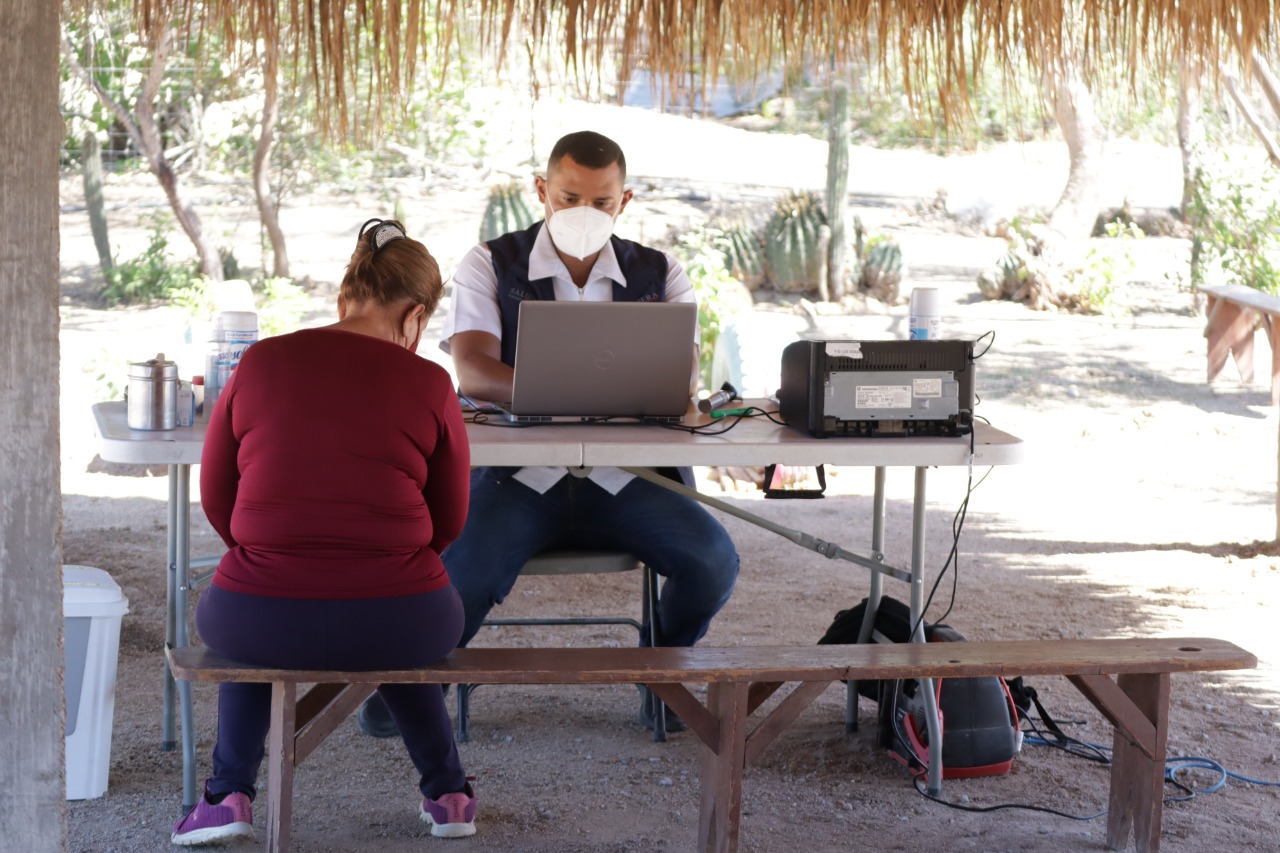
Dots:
{"x": 335, "y": 469}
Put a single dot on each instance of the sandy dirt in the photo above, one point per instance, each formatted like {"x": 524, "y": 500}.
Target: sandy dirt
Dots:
{"x": 1146, "y": 507}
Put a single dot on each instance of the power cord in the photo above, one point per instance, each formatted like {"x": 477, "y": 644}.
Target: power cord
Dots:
{"x": 953, "y": 556}
{"x": 918, "y": 783}
{"x": 727, "y": 420}
{"x": 1174, "y": 765}
{"x": 957, "y": 521}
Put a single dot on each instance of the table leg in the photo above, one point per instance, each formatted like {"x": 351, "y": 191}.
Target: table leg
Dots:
{"x": 932, "y": 724}
{"x": 182, "y": 564}
{"x": 168, "y": 740}
{"x": 874, "y": 593}
{"x": 182, "y": 561}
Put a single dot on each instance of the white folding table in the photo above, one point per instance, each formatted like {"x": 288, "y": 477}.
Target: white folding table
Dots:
{"x": 752, "y": 442}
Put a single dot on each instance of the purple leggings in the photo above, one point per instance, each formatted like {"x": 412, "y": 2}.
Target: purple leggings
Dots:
{"x": 351, "y": 634}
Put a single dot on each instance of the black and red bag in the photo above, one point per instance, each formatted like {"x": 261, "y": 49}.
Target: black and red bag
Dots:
{"x": 978, "y": 716}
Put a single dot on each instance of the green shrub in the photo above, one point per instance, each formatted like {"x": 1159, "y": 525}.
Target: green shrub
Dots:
{"x": 1097, "y": 281}
{"x": 719, "y": 293}
{"x": 1235, "y": 220}
{"x": 280, "y": 303}
{"x": 150, "y": 276}
{"x": 1050, "y": 281}
{"x": 110, "y": 372}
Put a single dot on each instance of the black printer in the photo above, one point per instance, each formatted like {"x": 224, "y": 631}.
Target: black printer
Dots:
{"x": 878, "y": 388}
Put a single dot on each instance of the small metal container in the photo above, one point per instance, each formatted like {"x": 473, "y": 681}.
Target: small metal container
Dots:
{"x": 153, "y": 394}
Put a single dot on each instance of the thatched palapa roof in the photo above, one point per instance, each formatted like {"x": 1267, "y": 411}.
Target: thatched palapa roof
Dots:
{"x": 943, "y": 42}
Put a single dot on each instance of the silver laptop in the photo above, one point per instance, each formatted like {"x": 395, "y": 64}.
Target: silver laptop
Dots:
{"x": 590, "y": 361}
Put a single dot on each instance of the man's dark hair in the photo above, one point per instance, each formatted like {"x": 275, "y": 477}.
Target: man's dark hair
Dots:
{"x": 590, "y": 149}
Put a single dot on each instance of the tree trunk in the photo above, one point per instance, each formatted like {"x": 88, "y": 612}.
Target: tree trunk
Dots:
{"x": 838, "y": 130}
{"x": 152, "y": 147}
{"x": 1252, "y": 118}
{"x": 146, "y": 135}
{"x": 33, "y": 815}
{"x": 1190, "y": 128}
{"x": 1268, "y": 82}
{"x": 268, "y": 213}
{"x": 1072, "y": 102}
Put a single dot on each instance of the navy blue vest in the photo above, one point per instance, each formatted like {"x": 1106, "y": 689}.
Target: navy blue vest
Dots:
{"x": 645, "y": 270}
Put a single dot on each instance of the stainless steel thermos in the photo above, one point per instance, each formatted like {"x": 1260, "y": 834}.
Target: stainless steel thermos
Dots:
{"x": 153, "y": 394}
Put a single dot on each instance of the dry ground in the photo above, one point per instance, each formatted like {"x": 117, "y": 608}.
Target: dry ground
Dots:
{"x": 1139, "y": 512}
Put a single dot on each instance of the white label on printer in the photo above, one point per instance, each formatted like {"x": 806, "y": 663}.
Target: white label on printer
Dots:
{"x": 927, "y": 387}
{"x": 882, "y": 397}
{"x": 844, "y": 349}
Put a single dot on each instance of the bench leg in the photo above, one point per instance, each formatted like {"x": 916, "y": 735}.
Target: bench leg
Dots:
{"x": 1138, "y": 706}
{"x": 722, "y": 767}
{"x": 280, "y": 765}
{"x": 1230, "y": 332}
{"x": 1272, "y": 325}
{"x": 1137, "y": 787}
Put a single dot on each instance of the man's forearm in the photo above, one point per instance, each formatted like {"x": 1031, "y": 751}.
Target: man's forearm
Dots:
{"x": 483, "y": 377}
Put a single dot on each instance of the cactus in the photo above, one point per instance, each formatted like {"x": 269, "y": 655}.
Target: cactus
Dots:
{"x": 1004, "y": 279}
{"x": 1012, "y": 270}
{"x": 991, "y": 284}
{"x": 881, "y": 271}
{"x": 791, "y": 243}
{"x": 742, "y": 254}
{"x": 506, "y": 211}
{"x": 1021, "y": 275}
{"x": 91, "y": 157}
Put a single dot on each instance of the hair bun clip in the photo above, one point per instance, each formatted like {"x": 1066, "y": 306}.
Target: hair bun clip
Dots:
{"x": 383, "y": 232}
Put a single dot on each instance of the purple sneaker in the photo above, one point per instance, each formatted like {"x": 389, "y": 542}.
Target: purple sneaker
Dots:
{"x": 452, "y": 815}
{"x": 208, "y": 823}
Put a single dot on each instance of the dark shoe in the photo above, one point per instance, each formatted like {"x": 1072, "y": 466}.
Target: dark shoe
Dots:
{"x": 374, "y": 718}
{"x": 674, "y": 723}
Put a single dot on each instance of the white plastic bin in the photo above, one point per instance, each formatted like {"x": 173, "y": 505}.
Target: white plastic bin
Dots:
{"x": 92, "y": 607}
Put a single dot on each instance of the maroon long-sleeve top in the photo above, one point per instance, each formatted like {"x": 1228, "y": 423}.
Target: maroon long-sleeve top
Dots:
{"x": 335, "y": 466}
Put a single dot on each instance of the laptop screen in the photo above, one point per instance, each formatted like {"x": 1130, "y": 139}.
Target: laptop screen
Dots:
{"x": 603, "y": 359}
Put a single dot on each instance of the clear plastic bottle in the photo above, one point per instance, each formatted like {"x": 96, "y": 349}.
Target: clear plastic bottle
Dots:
{"x": 233, "y": 333}
{"x": 186, "y": 408}
{"x": 212, "y": 380}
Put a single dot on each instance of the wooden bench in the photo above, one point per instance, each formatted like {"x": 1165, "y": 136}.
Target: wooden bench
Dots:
{"x": 738, "y": 680}
{"x": 1234, "y": 312}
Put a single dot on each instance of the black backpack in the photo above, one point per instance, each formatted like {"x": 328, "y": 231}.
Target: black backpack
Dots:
{"x": 979, "y": 718}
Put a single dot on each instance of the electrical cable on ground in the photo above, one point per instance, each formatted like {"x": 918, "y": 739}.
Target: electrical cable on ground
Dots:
{"x": 1174, "y": 765}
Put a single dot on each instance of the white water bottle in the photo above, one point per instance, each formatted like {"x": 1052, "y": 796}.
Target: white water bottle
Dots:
{"x": 235, "y": 328}
{"x": 925, "y": 321}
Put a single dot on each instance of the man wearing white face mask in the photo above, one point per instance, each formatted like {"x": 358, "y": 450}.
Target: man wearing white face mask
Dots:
{"x": 517, "y": 513}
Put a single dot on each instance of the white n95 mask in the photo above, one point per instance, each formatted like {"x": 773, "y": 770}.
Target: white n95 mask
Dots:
{"x": 580, "y": 231}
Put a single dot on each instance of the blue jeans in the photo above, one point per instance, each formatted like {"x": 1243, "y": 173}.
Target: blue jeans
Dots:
{"x": 350, "y": 634}
{"x": 508, "y": 523}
